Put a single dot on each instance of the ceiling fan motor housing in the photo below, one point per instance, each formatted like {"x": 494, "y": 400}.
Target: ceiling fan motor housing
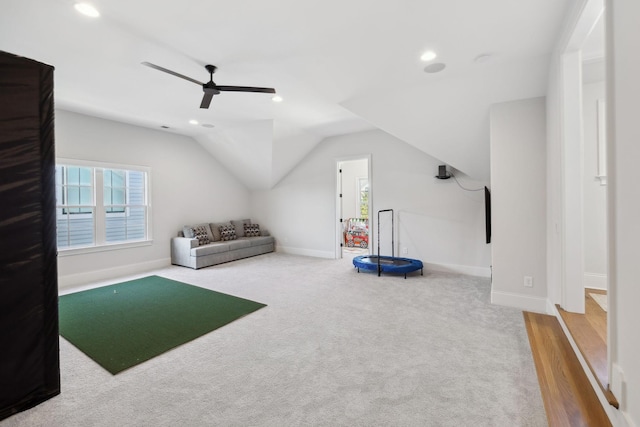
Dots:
{"x": 210, "y": 87}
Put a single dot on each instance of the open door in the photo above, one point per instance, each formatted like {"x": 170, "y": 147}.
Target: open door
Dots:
{"x": 353, "y": 204}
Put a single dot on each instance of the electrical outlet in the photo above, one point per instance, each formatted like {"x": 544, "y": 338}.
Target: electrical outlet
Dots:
{"x": 405, "y": 251}
{"x": 528, "y": 282}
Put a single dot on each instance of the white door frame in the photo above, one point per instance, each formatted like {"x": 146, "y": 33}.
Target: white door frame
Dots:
{"x": 572, "y": 293}
{"x": 338, "y": 201}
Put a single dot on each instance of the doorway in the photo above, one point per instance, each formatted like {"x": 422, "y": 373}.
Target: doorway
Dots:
{"x": 353, "y": 204}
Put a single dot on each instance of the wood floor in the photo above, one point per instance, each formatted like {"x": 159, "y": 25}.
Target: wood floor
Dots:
{"x": 589, "y": 331}
{"x": 568, "y": 397}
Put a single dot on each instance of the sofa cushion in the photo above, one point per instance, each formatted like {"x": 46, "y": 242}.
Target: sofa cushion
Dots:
{"x": 251, "y": 230}
{"x": 239, "y": 225}
{"x": 260, "y": 240}
{"x": 227, "y": 232}
{"x": 211, "y": 248}
{"x": 240, "y": 243}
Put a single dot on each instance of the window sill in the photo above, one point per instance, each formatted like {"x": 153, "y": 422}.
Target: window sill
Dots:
{"x": 103, "y": 248}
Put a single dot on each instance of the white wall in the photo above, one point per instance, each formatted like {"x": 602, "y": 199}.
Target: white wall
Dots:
{"x": 518, "y": 202}
{"x": 436, "y": 221}
{"x": 594, "y": 193}
{"x": 623, "y": 93}
{"x": 188, "y": 186}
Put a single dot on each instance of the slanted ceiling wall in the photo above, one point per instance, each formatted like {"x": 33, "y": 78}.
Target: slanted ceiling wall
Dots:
{"x": 187, "y": 186}
{"x": 436, "y": 220}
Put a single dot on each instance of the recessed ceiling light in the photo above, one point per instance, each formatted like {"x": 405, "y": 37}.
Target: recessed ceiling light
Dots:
{"x": 428, "y": 56}
{"x": 435, "y": 68}
{"x": 277, "y": 98}
{"x": 87, "y": 9}
{"x": 193, "y": 122}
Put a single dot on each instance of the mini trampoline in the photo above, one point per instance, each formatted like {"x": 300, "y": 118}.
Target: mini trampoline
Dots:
{"x": 389, "y": 264}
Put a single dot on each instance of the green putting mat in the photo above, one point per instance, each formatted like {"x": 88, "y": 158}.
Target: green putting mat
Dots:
{"x": 122, "y": 325}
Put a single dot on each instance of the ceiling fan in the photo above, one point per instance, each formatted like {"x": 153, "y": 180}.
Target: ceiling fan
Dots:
{"x": 210, "y": 88}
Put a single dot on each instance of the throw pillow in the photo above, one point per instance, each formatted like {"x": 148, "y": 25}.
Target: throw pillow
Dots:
{"x": 200, "y": 233}
{"x": 239, "y": 225}
{"x": 215, "y": 229}
{"x": 227, "y": 232}
{"x": 187, "y": 231}
{"x": 251, "y": 230}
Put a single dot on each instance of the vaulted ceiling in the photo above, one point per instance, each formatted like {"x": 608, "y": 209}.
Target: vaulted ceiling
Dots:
{"x": 340, "y": 67}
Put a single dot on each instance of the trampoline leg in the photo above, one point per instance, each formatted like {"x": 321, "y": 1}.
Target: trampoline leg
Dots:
{"x": 405, "y": 276}
{"x": 358, "y": 269}
{"x": 422, "y": 272}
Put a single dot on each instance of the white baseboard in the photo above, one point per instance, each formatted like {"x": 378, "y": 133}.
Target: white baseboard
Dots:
{"x": 523, "y": 302}
{"x": 461, "y": 269}
{"x": 73, "y": 280}
{"x": 595, "y": 281}
{"x": 305, "y": 252}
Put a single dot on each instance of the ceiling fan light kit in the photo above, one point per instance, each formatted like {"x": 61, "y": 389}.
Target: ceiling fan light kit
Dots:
{"x": 210, "y": 88}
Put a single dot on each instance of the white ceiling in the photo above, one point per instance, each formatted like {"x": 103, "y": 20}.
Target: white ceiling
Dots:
{"x": 341, "y": 67}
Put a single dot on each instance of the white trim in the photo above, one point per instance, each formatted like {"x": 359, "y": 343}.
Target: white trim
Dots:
{"x": 305, "y": 252}
{"x": 102, "y": 248}
{"x": 72, "y": 280}
{"x": 469, "y": 270}
{"x": 337, "y": 201}
{"x": 520, "y": 301}
{"x": 595, "y": 281}
{"x": 572, "y": 182}
{"x": 91, "y": 163}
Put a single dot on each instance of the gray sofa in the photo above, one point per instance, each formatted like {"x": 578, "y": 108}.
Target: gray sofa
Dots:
{"x": 208, "y": 244}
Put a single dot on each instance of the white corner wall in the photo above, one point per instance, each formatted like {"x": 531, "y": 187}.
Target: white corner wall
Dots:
{"x": 518, "y": 203}
{"x": 436, "y": 221}
{"x": 623, "y": 124}
{"x": 187, "y": 186}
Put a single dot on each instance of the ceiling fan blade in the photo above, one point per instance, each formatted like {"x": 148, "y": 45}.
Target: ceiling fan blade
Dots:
{"x": 173, "y": 73}
{"x": 206, "y": 99}
{"x": 246, "y": 89}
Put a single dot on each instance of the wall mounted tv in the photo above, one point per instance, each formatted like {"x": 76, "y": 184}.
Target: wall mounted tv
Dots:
{"x": 487, "y": 213}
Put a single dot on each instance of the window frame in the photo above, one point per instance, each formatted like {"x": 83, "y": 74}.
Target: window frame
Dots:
{"x": 100, "y": 243}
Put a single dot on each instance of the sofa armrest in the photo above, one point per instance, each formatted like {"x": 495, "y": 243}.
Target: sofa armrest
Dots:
{"x": 181, "y": 250}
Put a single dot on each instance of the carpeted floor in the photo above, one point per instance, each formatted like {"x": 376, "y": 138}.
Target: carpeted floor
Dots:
{"x": 332, "y": 348}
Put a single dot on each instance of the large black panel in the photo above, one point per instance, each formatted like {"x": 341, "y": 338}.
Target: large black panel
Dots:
{"x": 29, "y": 346}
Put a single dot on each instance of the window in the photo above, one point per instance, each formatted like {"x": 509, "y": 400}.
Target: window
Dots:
{"x": 99, "y": 206}
{"x": 363, "y": 197}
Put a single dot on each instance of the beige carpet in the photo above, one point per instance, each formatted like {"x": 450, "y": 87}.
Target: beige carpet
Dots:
{"x": 333, "y": 347}
{"x": 600, "y": 299}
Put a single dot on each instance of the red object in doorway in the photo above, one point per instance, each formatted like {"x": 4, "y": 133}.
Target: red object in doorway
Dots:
{"x": 356, "y": 233}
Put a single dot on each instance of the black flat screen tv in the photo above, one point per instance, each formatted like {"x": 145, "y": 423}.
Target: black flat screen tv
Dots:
{"x": 487, "y": 213}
